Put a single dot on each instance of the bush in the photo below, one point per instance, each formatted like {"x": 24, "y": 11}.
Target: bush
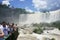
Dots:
{"x": 53, "y": 39}
{"x": 39, "y": 31}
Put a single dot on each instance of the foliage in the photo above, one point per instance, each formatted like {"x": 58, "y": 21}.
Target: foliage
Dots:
{"x": 53, "y": 39}
{"x": 56, "y": 24}
{"x": 7, "y": 12}
{"x": 39, "y": 31}
{"x": 3, "y": 6}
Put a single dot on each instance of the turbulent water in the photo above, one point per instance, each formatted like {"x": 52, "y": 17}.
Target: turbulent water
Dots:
{"x": 38, "y": 17}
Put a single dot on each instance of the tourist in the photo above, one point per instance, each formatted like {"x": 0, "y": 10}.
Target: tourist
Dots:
{"x": 5, "y": 28}
{"x": 1, "y": 33}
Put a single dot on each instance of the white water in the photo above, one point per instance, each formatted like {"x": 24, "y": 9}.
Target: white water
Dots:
{"x": 39, "y": 36}
{"x": 38, "y": 17}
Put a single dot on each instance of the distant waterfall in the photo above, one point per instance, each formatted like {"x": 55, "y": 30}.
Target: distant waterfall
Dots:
{"x": 38, "y": 17}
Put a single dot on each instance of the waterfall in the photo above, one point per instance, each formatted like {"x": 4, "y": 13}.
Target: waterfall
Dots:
{"x": 38, "y": 17}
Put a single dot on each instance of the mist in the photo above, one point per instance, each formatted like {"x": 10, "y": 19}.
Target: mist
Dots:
{"x": 38, "y": 17}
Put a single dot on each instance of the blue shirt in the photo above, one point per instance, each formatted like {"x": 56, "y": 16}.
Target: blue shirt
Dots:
{"x": 1, "y": 38}
{"x": 5, "y": 30}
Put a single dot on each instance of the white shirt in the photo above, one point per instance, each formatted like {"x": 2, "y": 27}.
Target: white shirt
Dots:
{"x": 4, "y": 29}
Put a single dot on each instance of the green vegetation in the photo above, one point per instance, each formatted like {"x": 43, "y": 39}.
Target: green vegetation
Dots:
{"x": 11, "y": 10}
{"x": 9, "y": 14}
{"x": 38, "y": 28}
{"x": 56, "y": 24}
{"x": 53, "y": 39}
{"x": 39, "y": 31}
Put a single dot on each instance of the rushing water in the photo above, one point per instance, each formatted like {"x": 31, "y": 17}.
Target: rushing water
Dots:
{"x": 38, "y": 36}
{"x": 38, "y": 17}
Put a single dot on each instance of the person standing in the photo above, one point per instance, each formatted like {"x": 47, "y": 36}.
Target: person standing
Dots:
{"x": 5, "y": 28}
{"x": 1, "y": 33}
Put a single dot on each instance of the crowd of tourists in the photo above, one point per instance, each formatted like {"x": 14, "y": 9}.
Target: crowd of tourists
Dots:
{"x": 7, "y": 29}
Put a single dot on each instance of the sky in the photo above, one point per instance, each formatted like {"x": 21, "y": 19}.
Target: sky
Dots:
{"x": 34, "y": 5}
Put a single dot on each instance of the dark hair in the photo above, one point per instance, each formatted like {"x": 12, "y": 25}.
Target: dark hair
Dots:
{"x": 4, "y": 22}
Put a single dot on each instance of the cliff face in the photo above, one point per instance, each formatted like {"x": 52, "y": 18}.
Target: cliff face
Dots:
{"x": 10, "y": 14}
